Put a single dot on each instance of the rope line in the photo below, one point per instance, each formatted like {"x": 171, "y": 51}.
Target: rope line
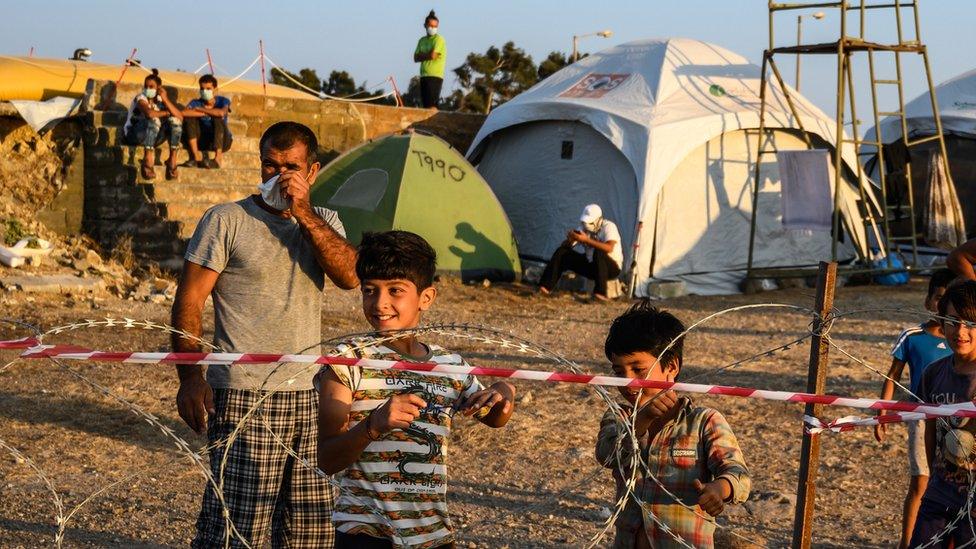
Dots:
{"x": 321, "y": 94}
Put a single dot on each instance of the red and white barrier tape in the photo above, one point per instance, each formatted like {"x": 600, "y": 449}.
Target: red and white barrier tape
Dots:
{"x": 23, "y": 343}
{"x": 966, "y": 409}
{"x": 815, "y": 426}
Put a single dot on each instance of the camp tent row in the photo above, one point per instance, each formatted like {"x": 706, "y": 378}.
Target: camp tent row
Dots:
{"x": 663, "y": 135}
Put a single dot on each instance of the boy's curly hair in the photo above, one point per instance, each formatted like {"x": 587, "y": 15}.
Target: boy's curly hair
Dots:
{"x": 645, "y": 328}
{"x": 396, "y": 255}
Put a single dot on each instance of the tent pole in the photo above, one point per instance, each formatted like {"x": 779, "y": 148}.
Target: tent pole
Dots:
{"x": 842, "y": 61}
{"x": 633, "y": 260}
{"x": 790, "y": 103}
{"x": 759, "y": 154}
{"x": 657, "y": 213}
{"x": 909, "y": 184}
{"x": 882, "y": 175}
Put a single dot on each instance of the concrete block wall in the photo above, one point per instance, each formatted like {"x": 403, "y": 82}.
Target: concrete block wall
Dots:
{"x": 41, "y": 174}
{"x": 159, "y": 215}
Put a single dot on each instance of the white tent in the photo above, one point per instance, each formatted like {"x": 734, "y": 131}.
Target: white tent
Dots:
{"x": 657, "y": 132}
{"x": 956, "y": 99}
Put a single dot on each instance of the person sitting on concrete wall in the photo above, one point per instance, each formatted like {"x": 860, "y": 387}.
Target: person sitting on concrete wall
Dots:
{"x": 593, "y": 250}
{"x": 152, "y": 118}
{"x": 206, "y": 125}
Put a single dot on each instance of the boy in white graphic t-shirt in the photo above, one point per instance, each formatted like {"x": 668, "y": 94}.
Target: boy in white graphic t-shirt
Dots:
{"x": 384, "y": 433}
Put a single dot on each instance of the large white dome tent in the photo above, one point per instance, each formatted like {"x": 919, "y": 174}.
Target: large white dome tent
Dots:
{"x": 663, "y": 134}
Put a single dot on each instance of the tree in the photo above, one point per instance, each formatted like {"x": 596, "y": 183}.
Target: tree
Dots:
{"x": 308, "y": 77}
{"x": 341, "y": 84}
{"x": 492, "y": 78}
{"x": 412, "y": 97}
{"x": 552, "y": 64}
{"x": 453, "y": 102}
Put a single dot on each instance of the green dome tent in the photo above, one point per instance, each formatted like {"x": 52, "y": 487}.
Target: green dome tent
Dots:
{"x": 418, "y": 183}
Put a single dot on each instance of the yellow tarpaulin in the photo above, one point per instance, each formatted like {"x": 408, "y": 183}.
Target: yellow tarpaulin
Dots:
{"x": 37, "y": 79}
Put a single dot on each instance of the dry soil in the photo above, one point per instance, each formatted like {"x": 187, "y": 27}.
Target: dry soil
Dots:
{"x": 534, "y": 483}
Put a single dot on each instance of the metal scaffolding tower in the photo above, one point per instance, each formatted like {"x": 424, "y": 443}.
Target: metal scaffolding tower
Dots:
{"x": 845, "y": 48}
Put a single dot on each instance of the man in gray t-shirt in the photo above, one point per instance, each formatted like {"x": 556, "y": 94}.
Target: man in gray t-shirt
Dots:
{"x": 268, "y": 295}
{"x": 264, "y": 259}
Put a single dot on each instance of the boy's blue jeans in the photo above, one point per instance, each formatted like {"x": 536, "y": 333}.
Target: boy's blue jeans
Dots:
{"x": 932, "y": 521}
{"x": 146, "y": 131}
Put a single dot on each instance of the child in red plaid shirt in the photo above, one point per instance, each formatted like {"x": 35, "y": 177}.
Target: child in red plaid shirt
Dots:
{"x": 691, "y": 451}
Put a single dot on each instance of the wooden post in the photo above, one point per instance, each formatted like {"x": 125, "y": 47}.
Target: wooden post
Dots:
{"x": 816, "y": 379}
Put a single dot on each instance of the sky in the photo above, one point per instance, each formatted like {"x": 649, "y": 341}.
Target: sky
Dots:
{"x": 376, "y": 38}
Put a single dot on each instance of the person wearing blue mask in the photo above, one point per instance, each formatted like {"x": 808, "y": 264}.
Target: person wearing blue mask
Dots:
{"x": 431, "y": 53}
{"x": 152, "y": 119}
{"x": 206, "y": 125}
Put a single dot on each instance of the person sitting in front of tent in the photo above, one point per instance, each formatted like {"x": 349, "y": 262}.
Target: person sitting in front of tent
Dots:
{"x": 593, "y": 250}
{"x": 152, "y": 117}
{"x": 206, "y": 125}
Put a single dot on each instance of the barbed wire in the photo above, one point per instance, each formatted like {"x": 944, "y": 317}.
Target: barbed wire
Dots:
{"x": 627, "y": 443}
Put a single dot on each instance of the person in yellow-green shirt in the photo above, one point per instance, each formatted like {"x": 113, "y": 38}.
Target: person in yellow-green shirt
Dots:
{"x": 431, "y": 53}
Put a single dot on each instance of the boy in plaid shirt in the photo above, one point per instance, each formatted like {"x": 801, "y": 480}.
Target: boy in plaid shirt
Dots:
{"x": 690, "y": 450}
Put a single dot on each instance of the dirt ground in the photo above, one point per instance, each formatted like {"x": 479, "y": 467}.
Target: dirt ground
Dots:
{"x": 533, "y": 484}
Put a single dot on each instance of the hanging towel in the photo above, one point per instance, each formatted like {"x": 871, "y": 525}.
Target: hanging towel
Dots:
{"x": 944, "y": 225}
{"x": 806, "y": 193}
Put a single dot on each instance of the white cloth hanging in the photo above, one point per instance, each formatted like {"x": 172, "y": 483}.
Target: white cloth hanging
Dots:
{"x": 806, "y": 192}
{"x": 944, "y": 225}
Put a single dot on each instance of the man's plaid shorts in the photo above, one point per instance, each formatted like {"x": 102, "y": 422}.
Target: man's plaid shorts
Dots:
{"x": 267, "y": 491}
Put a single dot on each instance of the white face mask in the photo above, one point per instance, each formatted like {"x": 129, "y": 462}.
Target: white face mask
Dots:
{"x": 206, "y": 94}
{"x": 149, "y": 92}
{"x": 431, "y": 31}
{"x": 271, "y": 193}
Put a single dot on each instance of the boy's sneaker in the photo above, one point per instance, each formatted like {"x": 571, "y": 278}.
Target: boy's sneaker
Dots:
{"x": 191, "y": 163}
{"x": 211, "y": 164}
